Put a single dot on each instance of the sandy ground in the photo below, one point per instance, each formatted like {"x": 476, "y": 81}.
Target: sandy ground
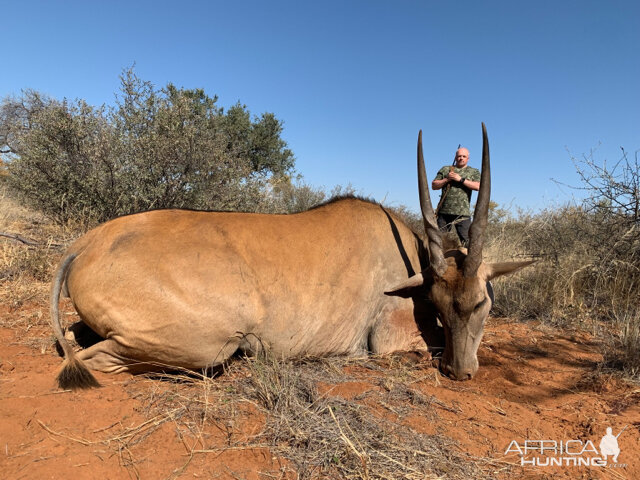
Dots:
{"x": 534, "y": 383}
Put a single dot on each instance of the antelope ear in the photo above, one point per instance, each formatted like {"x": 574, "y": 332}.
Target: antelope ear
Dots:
{"x": 493, "y": 270}
{"x": 407, "y": 288}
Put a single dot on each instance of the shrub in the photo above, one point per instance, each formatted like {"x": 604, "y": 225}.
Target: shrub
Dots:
{"x": 167, "y": 148}
{"x": 590, "y": 261}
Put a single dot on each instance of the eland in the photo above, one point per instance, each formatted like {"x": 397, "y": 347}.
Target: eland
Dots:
{"x": 190, "y": 289}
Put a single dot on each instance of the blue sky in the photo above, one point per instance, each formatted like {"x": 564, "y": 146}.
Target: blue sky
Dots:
{"x": 354, "y": 81}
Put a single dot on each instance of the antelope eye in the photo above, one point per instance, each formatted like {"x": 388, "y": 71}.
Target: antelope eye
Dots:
{"x": 480, "y": 305}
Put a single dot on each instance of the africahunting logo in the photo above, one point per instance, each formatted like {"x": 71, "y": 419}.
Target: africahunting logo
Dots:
{"x": 569, "y": 453}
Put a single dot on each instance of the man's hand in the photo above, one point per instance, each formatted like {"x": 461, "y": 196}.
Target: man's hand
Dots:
{"x": 454, "y": 177}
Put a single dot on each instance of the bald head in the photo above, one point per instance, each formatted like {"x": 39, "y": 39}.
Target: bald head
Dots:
{"x": 462, "y": 157}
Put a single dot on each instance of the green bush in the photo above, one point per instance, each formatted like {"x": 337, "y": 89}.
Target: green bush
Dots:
{"x": 167, "y": 148}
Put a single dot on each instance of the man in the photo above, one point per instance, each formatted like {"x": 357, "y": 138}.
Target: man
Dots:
{"x": 458, "y": 181}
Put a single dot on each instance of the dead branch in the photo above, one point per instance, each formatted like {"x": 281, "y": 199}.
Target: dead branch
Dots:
{"x": 27, "y": 241}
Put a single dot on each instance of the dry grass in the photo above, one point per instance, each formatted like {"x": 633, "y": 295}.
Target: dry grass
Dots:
{"x": 26, "y": 268}
{"x": 303, "y": 427}
{"x": 588, "y": 277}
{"x": 622, "y": 351}
{"x": 320, "y": 435}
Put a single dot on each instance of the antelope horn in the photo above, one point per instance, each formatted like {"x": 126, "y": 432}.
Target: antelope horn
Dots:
{"x": 434, "y": 246}
{"x": 480, "y": 215}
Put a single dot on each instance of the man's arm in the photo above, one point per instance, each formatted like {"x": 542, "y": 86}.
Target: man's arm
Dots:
{"x": 438, "y": 184}
{"x": 473, "y": 182}
{"x": 470, "y": 184}
{"x": 454, "y": 177}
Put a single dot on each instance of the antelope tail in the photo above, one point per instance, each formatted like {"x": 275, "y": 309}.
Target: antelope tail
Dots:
{"x": 73, "y": 374}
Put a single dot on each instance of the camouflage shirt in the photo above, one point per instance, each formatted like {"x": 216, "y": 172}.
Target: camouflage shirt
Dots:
{"x": 457, "y": 201}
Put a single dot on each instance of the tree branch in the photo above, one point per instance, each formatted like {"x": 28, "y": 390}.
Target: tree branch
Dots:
{"x": 26, "y": 241}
